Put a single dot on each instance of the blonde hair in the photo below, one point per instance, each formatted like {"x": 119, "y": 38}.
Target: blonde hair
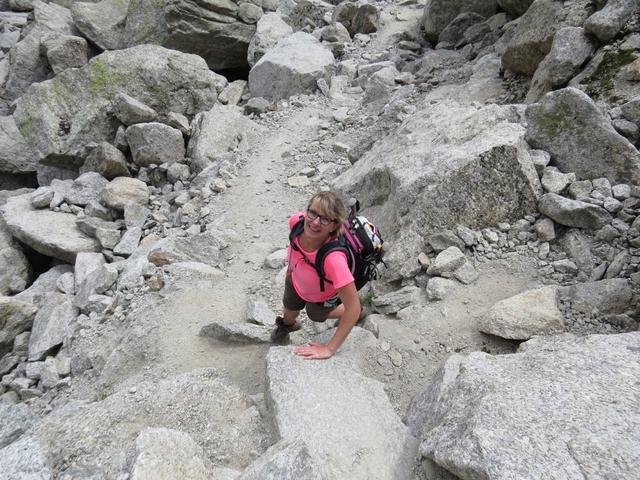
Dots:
{"x": 332, "y": 206}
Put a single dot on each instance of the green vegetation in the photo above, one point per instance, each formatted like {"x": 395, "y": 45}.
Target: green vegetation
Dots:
{"x": 104, "y": 81}
{"x": 601, "y": 81}
{"x": 367, "y": 299}
{"x": 552, "y": 123}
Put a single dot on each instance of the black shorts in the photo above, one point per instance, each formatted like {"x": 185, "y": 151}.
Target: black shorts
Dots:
{"x": 318, "y": 312}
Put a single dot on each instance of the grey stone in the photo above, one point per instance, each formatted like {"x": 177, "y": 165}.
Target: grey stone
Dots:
{"x": 283, "y": 71}
{"x": 164, "y": 80}
{"x": 534, "y": 32}
{"x": 454, "y": 31}
{"x": 601, "y": 297}
{"x": 271, "y": 28}
{"x": 383, "y": 449}
{"x": 216, "y": 31}
{"x": 25, "y": 459}
{"x": 203, "y": 247}
{"x": 15, "y": 317}
{"x": 565, "y": 266}
{"x": 573, "y": 213}
{"x": 16, "y": 154}
{"x": 97, "y": 282}
{"x": 545, "y": 229}
{"x": 232, "y": 94}
{"x": 86, "y": 263}
{"x": 131, "y": 111}
{"x": 14, "y": 266}
{"x": 178, "y": 171}
{"x": 85, "y": 189}
{"x": 100, "y": 432}
{"x": 602, "y": 186}
{"x": 578, "y": 247}
{"x": 515, "y": 7}
{"x": 287, "y": 459}
{"x": 472, "y": 419}
{"x": 194, "y": 271}
{"x": 129, "y": 242}
{"x": 257, "y": 106}
{"x": 155, "y": 143}
{"x": 106, "y": 160}
{"x": 218, "y": 132}
{"x": 9, "y": 362}
{"x": 66, "y": 283}
{"x": 237, "y": 332}
{"x": 66, "y": 51}
{"x": 617, "y": 264}
{"x": 107, "y": 233}
{"x": 395, "y": 301}
{"x": 554, "y": 181}
{"x": 607, "y": 22}
{"x": 123, "y": 190}
{"x": 438, "y": 288}
{"x": 570, "y": 49}
{"x": 135, "y": 215}
{"x": 631, "y": 110}
{"x": 277, "y": 259}
{"x": 27, "y": 64}
{"x": 626, "y": 128}
{"x": 580, "y": 189}
{"x": 466, "y": 273}
{"x": 101, "y": 22}
{"x": 439, "y": 13}
{"x": 42, "y": 197}
{"x": 442, "y": 240}
{"x": 534, "y": 312}
{"x": 580, "y": 145}
{"x": 357, "y": 17}
{"x": 53, "y": 234}
{"x": 467, "y": 235}
{"x": 259, "y": 312}
{"x": 540, "y": 160}
{"x": 166, "y": 453}
{"x": 447, "y": 261}
{"x": 621, "y": 191}
{"x": 131, "y": 275}
{"x": 336, "y": 32}
{"x": 46, "y": 283}
{"x": 50, "y": 326}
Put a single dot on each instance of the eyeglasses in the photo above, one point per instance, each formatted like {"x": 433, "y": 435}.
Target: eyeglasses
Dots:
{"x": 312, "y": 215}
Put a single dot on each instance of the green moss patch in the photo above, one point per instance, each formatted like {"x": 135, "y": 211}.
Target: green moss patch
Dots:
{"x": 601, "y": 82}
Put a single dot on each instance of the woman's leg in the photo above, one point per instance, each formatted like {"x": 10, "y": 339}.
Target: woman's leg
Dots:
{"x": 289, "y": 316}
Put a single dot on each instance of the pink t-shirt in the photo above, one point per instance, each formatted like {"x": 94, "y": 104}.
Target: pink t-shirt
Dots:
{"x": 304, "y": 277}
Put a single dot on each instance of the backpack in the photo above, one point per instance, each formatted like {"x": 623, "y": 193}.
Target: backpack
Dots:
{"x": 361, "y": 242}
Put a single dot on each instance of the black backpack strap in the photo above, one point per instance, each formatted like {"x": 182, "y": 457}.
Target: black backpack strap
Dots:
{"x": 332, "y": 246}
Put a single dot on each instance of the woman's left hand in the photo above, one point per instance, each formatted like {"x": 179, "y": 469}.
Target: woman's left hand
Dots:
{"x": 314, "y": 351}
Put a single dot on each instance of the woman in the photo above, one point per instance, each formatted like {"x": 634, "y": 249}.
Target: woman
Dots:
{"x": 338, "y": 297}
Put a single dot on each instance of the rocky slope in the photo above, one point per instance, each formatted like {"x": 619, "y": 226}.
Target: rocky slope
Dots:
{"x": 151, "y": 153}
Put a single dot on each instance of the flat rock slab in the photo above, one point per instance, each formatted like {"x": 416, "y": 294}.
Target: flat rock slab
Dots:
{"x": 237, "y": 332}
{"x": 24, "y": 459}
{"x": 564, "y": 407}
{"x": 344, "y": 418}
{"x": 54, "y": 234}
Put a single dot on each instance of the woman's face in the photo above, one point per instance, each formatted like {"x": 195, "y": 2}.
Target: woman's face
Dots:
{"x": 317, "y": 224}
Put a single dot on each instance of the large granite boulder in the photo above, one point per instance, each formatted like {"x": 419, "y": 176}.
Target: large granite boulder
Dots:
{"x": 51, "y": 326}
{"x": 570, "y": 49}
{"x": 60, "y": 116}
{"x": 564, "y": 407}
{"x": 25, "y": 459}
{"x": 604, "y": 297}
{"x": 349, "y": 426}
{"x": 612, "y": 75}
{"x": 16, "y": 155}
{"x": 569, "y": 125}
{"x": 14, "y": 266}
{"x": 287, "y": 459}
{"x": 534, "y": 312}
{"x": 534, "y": 33}
{"x": 215, "y": 133}
{"x": 101, "y": 22}
{"x": 54, "y": 234}
{"x": 606, "y": 23}
{"x": 448, "y": 164}
{"x": 99, "y": 434}
{"x": 270, "y": 30}
{"x": 155, "y": 143}
{"x": 27, "y": 65}
{"x": 439, "y": 13}
{"x": 293, "y": 66}
{"x": 218, "y": 31}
